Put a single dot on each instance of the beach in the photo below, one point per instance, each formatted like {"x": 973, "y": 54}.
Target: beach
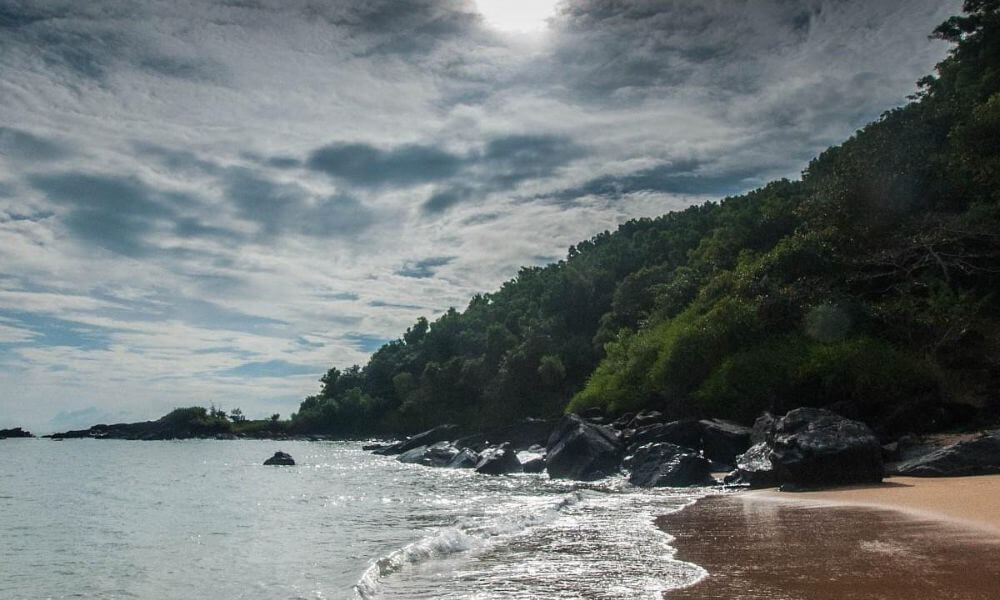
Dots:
{"x": 908, "y": 538}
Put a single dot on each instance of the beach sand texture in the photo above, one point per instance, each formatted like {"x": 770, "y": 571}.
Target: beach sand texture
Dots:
{"x": 921, "y": 539}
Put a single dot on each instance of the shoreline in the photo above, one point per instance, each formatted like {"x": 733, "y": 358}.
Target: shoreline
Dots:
{"x": 906, "y": 538}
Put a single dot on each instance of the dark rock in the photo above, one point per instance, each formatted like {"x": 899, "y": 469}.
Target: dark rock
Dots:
{"x": 280, "y": 459}
{"x": 522, "y": 434}
{"x": 582, "y": 451}
{"x": 980, "y": 456}
{"x": 722, "y": 441}
{"x": 16, "y": 432}
{"x": 376, "y": 446}
{"x": 646, "y": 417}
{"x": 475, "y": 442}
{"x": 623, "y": 421}
{"x": 465, "y": 459}
{"x": 533, "y": 465}
{"x": 592, "y": 413}
{"x": 682, "y": 433}
{"x": 437, "y": 455}
{"x": 754, "y": 467}
{"x": 816, "y": 447}
{"x": 761, "y": 429}
{"x": 668, "y": 465}
{"x": 440, "y": 433}
{"x": 499, "y": 461}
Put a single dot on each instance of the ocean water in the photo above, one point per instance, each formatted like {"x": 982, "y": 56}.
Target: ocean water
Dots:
{"x": 204, "y": 519}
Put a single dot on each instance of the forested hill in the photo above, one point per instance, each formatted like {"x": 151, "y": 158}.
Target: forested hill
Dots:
{"x": 869, "y": 286}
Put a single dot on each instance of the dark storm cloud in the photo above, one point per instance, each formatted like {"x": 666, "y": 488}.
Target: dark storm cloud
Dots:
{"x": 427, "y": 267}
{"x": 366, "y": 165}
{"x": 442, "y": 200}
{"x": 183, "y": 161}
{"x": 512, "y": 159}
{"x": 21, "y": 145}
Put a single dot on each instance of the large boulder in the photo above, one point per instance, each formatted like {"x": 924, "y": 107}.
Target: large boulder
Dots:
{"x": 685, "y": 433}
{"x": 522, "y": 434}
{"x": 440, "y": 433}
{"x": 980, "y": 456}
{"x": 436, "y": 455}
{"x": 280, "y": 459}
{"x": 754, "y": 467}
{"x": 668, "y": 465}
{"x": 465, "y": 459}
{"x": 582, "y": 451}
{"x": 815, "y": 447}
{"x": 722, "y": 441}
{"x": 500, "y": 460}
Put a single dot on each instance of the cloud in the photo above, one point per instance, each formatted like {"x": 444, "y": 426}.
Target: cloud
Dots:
{"x": 270, "y": 368}
{"x": 365, "y": 165}
{"x": 20, "y": 145}
{"x": 424, "y": 268}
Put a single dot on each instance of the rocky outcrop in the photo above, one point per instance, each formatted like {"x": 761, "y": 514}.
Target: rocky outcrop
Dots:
{"x": 980, "y": 456}
{"x": 441, "y": 433}
{"x": 500, "y": 460}
{"x": 582, "y": 451}
{"x": 722, "y": 441}
{"x": 16, "y": 432}
{"x": 440, "y": 454}
{"x": 523, "y": 434}
{"x": 280, "y": 459}
{"x": 754, "y": 467}
{"x": 815, "y": 447}
{"x": 465, "y": 459}
{"x": 668, "y": 465}
{"x": 687, "y": 433}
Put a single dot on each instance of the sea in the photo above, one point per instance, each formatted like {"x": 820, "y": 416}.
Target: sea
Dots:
{"x": 204, "y": 519}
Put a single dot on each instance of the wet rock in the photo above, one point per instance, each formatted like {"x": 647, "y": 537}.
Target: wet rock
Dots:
{"x": 500, "y": 460}
{"x": 816, "y": 447}
{"x": 440, "y": 433}
{"x": 280, "y": 459}
{"x": 437, "y": 455}
{"x": 980, "y": 456}
{"x": 754, "y": 467}
{"x": 582, "y": 451}
{"x": 465, "y": 459}
{"x": 523, "y": 434}
{"x": 646, "y": 417}
{"x": 533, "y": 465}
{"x": 762, "y": 427}
{"x": 722, "y": 441}
{"x": 475, "y": 442}
{"x": 668, "y": 465}
{"x": 375, "y": 446}
{"x": 685, "y": 433}
{"x": 623, "y": 421}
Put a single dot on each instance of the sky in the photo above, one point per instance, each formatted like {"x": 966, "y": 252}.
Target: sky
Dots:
{"x": 212, "y": 202}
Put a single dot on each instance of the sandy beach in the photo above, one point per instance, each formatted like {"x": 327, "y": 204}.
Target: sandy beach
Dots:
{"x": 909, "y": 538}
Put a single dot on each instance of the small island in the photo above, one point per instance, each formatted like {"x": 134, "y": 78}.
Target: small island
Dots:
{"x": 16, "y": 432}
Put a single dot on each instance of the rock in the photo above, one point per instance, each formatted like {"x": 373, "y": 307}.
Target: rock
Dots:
{"x": 440, "y": 433}
{"x": 623, "y": 421}
{"x": 754, "y": 467}
{"x": 722, "y": 441}
{"x": 375, "y": 446}
{"x": 685, "y": 433}
{"x": 646, "y": 417}
{"x": 668, "y": 465}
{"x": 465, "y": 459}
{"x": 980, "y": 456}
{"x": 500, "y": 460}
{"x": 522, "y": 434}
{"x": 761, "y": 428}
{"x": 594, "y": 412}
{"x": 437, "y": 455}
{"x": 476, "y": 442}
{"x": 816, "y": 447}
{"x": 16, "y": 432}
{"x": 533, "y": 465}
{"x": 280, "y": 459}
{"x": 582, "y": 451}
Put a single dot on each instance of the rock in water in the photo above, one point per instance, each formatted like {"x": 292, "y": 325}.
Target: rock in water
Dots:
{"x": 281, "y": 459}
{"x": 668, "y": 465}
{"x": 440, "y": 433}
{"x": 682, "y": 433}
{"x": 582, "y": 451}
{"x": 754, "y": 467}
{"x": 499, "y": 461}
{"x": 16, "y": 432}
{"x": 466, "y": 459}
{"x": 438, "y": 455}
{"x": 980, "y": 456}
{"x": 722, "y": 441}
{"x": 816, "y": 447}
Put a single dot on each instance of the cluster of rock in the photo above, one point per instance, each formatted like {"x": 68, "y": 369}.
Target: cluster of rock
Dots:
{"x": 16, "y": 432}
{"x": 280, "y": 459}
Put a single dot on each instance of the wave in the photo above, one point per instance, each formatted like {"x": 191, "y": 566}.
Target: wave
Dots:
{"x": 466, "y": 536}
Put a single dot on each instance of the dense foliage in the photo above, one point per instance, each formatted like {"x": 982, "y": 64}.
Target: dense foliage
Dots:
{"x": 867, "y": 286}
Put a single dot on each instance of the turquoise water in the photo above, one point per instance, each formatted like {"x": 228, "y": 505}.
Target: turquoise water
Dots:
{"x": 204, "y": 519}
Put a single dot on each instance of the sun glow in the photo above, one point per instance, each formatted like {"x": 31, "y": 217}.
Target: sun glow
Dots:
{"x": 520, "y": 16}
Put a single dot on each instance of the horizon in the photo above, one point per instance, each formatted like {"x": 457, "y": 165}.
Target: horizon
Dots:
{"x": 213, "y": 204}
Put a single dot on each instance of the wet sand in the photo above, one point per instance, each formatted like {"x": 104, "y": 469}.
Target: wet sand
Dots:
{"x": 844, "y": 544}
